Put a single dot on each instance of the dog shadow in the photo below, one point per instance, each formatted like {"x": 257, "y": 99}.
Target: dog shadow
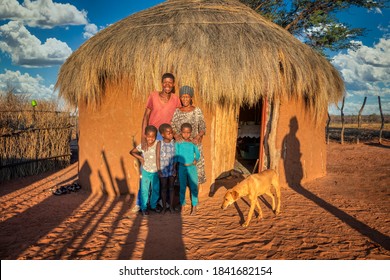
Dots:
{"x": 226, "y": 180}
{"x": 247, "y": 202}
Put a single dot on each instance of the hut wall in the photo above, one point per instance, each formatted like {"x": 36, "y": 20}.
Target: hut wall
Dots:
{"x": 110, "y": 131}
{"x": 301, "y": 144}
{"x": 220, "y": 140}
{"x": 106, "y": 137}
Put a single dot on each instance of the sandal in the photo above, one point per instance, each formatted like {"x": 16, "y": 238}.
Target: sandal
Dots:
{"x": 60, "y": 190}
{"x": 57, "y": 192}
{"x": 64, "y": 189}
{"x": 76, "y": 186}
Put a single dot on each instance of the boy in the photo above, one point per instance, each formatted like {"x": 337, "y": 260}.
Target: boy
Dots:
{"x": 166, "y": 165}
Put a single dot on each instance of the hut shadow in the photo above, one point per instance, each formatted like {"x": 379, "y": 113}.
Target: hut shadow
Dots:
{"x": 294, "y": 174}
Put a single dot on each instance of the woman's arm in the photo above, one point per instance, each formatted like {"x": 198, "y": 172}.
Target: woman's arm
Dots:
{"x": 176, "y": 126}
{"x": 201, "y": 127}
{"x": 145, "y": 123}
{"x": 158, "y": 161}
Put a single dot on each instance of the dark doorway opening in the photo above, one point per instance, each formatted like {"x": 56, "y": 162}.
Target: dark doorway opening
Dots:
{"x": 248, "y": 138}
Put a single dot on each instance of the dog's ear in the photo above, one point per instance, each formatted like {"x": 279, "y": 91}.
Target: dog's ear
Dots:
{"x": 235, "y": 195}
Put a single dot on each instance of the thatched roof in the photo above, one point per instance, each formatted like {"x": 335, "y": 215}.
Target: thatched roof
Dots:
{"x": 222, "y": 48}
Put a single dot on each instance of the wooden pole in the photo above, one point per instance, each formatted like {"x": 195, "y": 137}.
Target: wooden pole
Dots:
{"x": 382, "y": 120}
{"x": 360, "y": 119}
{"x": 342, "y": 121}
{"x": 262, "y": 132}
{"x": 327, "y": 129}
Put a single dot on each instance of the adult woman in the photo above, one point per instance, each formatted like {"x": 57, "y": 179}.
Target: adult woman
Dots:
{"x": 193, "y": 115}
{"x": 160, "y": 106}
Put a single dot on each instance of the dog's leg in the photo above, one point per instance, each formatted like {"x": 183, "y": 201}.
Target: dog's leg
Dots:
{"x": 269, "y": 193}
{"x": 278, "y": 196}
{"x": 260, "y": 212}
{"x": 251, "y": 210}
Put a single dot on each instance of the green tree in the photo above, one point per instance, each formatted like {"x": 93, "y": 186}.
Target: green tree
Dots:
{"x": 315, "y": 21}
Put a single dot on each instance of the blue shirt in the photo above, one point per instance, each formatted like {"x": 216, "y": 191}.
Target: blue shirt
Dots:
{"x": 186, "y": 152}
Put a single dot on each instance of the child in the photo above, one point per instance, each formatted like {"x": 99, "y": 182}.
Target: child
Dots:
{"x": 148, "y": 159}
{"x": 187, "y": 154}
{"x": 165, "y": 165}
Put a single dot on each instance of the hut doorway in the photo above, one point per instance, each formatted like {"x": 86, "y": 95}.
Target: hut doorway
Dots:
{"x": 248, "y": 137}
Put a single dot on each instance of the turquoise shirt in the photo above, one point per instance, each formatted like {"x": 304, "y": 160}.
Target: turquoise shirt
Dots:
{"x": 186, "y": 152}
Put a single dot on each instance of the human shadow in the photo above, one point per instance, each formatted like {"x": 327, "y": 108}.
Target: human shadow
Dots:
{"x": 165, "y": 231}
{"x": 165, "y": 237}
{"x": 22, "y": 182}
{"x": 294, "y": 174}
{"x": 21, "y": 231}
{"x": 105, "y": 208}
{"x": 164, "y": 240}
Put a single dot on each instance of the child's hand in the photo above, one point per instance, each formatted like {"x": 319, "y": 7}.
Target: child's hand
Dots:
{"x": 194, "y": 163}
{"x": 160, "y": 174}
{"x": 197, "y": 140}
{"x": 142, "y": 161}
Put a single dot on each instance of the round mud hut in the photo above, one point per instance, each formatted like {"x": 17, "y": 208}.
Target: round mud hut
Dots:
{"x": 264, "y": 93}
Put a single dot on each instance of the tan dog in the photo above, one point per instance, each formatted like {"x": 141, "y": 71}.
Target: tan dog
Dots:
{"x": 253, "y": 186}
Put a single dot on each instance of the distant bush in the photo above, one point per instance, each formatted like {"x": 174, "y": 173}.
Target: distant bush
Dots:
{"x": 348, "y": 119}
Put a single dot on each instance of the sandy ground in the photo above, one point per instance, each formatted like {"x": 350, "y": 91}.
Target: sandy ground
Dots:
{"x": 344, "y": 215}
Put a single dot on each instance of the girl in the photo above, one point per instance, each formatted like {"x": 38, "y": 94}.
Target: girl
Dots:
{"x": 149, "y": 180}
{"x": 187, "y": 155}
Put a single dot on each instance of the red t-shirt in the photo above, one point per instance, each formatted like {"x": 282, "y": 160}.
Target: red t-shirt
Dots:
{"x": 161, "y": 112}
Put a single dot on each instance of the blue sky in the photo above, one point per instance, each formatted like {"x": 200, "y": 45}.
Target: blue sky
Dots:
{"x": 37, "y": 36}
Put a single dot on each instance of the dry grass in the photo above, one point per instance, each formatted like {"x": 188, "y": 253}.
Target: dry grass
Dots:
{"x": 32, "y": 140}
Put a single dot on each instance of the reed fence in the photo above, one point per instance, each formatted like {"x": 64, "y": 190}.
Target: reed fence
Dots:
{"x": 32, "y": 142}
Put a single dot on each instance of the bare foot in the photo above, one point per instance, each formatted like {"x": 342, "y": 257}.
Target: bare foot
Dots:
{"x": 193, "y": 211}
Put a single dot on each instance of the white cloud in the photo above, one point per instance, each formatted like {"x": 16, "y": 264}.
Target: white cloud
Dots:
{"x": 27, "y": 50}
{"x": 26, "y": 84}
{"x": 90, "y": 30}
{"x": 366, "y": 71}
{"x": 42, "y": 13}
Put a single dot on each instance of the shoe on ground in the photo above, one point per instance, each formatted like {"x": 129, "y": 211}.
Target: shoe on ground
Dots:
{"x": 145, "y": 212}
{"x": 157, "y": 210}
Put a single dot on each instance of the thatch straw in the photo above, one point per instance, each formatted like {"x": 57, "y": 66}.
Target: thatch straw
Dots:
{"x": 225, "y": 50}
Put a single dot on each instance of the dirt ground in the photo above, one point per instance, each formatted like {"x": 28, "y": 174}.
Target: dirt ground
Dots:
{"x": 344, "y": 215}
